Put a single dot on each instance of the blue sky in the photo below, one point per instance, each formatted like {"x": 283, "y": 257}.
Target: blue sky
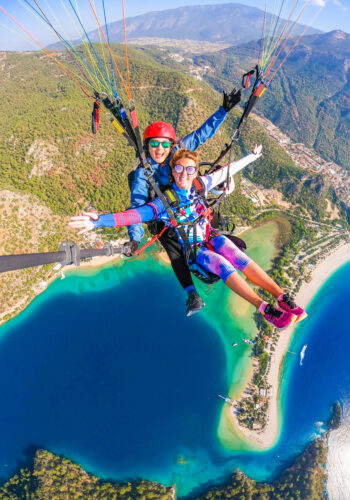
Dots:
{"x": 335, "y": 15}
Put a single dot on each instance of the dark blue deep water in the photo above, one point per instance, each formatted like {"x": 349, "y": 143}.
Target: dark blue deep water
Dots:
{"x": 108, "y": 371}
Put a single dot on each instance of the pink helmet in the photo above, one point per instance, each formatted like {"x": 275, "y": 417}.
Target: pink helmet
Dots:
{"x": 159, "y": 129}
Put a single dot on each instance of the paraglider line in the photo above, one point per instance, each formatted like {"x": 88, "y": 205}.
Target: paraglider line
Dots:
{"x": 275, "y": 57}
{"x": 103, "y": 51}
{"x": 277, "y": 23}
{"x": 280, "y": 38}
{"x": 262, "y": 34}
{"x": 107, "y": 31}
{"x": 297, "y": 41}
{"x": 90, "y": 43}
{"x": 83, "y": 41}
{"x": 126, "y": 51}
{"x": 71, "y": 50}
{"x": 115, "y": 64}
{"x": 34, "y": 9}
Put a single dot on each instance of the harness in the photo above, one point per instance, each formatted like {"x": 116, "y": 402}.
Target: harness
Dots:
{"x": 191, "y": 251}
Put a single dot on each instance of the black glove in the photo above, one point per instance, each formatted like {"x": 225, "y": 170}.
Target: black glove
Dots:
{"x": 231, "y": 99}
{"x": 130, "y": 247}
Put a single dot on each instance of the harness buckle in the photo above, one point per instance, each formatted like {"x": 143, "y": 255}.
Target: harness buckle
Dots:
{"x": 236, "y": 135}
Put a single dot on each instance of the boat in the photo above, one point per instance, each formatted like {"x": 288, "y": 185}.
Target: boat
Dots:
{"x": 227, "y": 399}
{"x": 234, "y": 344}
{"x": 247, "y": 341}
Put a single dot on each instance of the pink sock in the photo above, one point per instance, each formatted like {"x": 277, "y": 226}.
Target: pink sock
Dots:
{"x": 262, "y": 307}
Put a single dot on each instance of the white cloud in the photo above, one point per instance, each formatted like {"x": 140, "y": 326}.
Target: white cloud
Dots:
{"x": 319, "y": 3}
{"x": 338, "y": 3}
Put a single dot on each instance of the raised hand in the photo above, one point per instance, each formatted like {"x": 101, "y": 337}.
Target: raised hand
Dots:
{"x": 257, "y": 150}
{"x": 230, "y": 100}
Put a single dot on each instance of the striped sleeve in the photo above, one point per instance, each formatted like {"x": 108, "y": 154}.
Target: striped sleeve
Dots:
{"x": 127, "y": 218}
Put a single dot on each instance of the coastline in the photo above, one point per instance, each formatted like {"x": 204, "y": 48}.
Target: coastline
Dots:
{"x": 41, "y": 287}
{"x": 266, "y": 439}
{"x": 258, "y": 440}
{"x": 87, "y": 265}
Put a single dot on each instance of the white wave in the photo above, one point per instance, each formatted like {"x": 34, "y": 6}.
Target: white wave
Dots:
{"x": 338, "y": 460}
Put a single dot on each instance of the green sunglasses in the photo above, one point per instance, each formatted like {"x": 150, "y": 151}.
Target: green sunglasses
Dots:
{"x": 155, "y": 144}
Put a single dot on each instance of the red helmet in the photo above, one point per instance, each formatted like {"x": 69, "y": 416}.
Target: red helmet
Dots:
{"x": 159, "y": 129}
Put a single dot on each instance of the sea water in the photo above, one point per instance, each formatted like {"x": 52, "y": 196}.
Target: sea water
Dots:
{"x": 106, "y": 369}
{"x": 114, "y": 377}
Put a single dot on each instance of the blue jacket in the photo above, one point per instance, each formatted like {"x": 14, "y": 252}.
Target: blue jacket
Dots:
{"x": 140, "y": 187}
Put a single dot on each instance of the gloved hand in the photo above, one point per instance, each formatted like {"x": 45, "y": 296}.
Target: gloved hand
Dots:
{"x": 230, "y": 100}
{"x": 130, "y": 247}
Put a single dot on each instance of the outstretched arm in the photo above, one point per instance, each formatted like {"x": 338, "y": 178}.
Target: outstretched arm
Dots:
{"x": 89, "y": 221}
{"x": 220, "y": 176}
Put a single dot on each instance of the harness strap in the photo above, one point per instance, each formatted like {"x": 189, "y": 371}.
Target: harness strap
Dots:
{"x": 207, "y": 233}
{"x": 199, "y": 186}
{"x": 151, "y": 241}
{"x": 172, "y": 198}
{"x": 246, "y": 79}
{"x": 257, "y": 92}
{"x": 95, "y": 122}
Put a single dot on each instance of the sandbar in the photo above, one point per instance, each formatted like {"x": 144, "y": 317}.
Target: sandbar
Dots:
{"x": 266, "y": 438}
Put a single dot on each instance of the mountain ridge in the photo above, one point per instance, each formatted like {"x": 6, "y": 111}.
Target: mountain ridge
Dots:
{"x": 309, "y": 99}
{"x": 231, "y": 23}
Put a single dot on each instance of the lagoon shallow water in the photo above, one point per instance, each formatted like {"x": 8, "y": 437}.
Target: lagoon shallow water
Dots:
{"x": 105, "y": 371}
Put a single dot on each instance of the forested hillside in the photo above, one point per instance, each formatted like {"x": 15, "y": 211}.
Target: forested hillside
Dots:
{"x": 46, "y": 144}
{"x": 52, "y": 166}
{"x": 51, "y": 477}
{"x": 47, "y": 148}
{"x": 310, "y": 97}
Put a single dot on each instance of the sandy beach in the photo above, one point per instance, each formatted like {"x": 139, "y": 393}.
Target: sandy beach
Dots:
{"x": 323, "y": 270}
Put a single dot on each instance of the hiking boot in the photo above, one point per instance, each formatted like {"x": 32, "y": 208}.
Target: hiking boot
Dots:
{"x": 286, "y": 303}
{"x": 194, "y": 303}
{"x": 278, "y": 319}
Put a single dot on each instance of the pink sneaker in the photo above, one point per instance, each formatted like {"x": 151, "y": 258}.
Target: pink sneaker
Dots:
{"x": 286, "y": 303}
{"x": 278, "y": 319}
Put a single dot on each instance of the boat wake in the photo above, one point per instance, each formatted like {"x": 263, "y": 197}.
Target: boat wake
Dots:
{"x": 302, "y": 354}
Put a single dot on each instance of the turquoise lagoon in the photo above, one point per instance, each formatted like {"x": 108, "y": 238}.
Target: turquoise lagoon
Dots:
{"x": 105, "y": 369}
